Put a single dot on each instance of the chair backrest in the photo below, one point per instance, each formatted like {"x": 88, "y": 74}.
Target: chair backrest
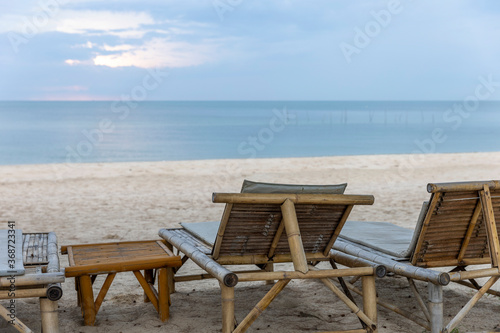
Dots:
{"x": 460, "y": 228}
{"x": 253, "y": 228}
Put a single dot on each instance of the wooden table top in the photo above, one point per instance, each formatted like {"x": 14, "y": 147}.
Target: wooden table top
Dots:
{"x": 104, "y": 258}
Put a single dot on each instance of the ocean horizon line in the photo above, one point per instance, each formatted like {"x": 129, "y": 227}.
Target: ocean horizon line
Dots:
{"x": 255, "y": 100}
{"x": 57, "y": 132}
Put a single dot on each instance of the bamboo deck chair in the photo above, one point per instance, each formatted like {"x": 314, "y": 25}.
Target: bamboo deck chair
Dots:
{"x": 29, "y": 267}
{"x": 269, "y": 228}
{"x": 456, "y": 229}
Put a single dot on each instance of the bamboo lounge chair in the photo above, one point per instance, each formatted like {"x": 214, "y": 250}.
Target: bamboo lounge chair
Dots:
{"x": 456, "y": 228}
{"x": 29, "y": 267}
{"x": 269, "y": 228}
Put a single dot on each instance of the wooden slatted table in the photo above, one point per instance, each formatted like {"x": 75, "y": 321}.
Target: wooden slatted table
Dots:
{"x": 89, "y": 260}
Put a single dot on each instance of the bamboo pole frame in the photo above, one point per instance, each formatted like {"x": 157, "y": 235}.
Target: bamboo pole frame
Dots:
{"x": 263, "y": 259}
{"x": 227, "y": 295}
{"x": 435, "y": 304}
{"x": 128, "y": 265}
{"x": 470, "y": 285}
{"x": 352, "y": 261}
{"x": 261, "y": 306}
{"x": 491, "y": 226}
{"x": 293, "y": 235}
{"x": 208, "y": 264}
{"x": 87, "y": 298}
{"x": 370, "y": 299}
{"x": 463, "y": 312}
{"x": 278, "y": 198}
{"x": 24, "y": 293}
{"x": 462, "y": 186}
{"x": 348, "y": 331}
{"x": 103, "y": 291}
{"x": 339, "y": 227}
{"x": 419, "y": 299}
{"x": 163, "y": 294}
{"x": 52, "y": 254}
{"x": 478, "y": 273}
{"x": 17, "y": 324}
{"x": 220, "y": 232}
{"x": 311, "y": 274}
{"x": 48, "y": 312}
{"x": 470, "y": 230}
{"x": 350, "y": 304}
{"x": 435, "y": 198}
{"x": 408, "y": 315}
{"x": 456, "y": 262}
{"x": 147, "y": 289}
{"x": 34, "y": 279}
{"x": 400, "y": 268}
{"x": 276, "y": 239}
{"x": 150, "y": 278}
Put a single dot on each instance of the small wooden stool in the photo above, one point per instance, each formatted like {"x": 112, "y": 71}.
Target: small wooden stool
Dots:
{"x": 89, "y": 260}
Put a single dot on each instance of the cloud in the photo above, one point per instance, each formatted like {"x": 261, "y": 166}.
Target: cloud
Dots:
{"x": 145, "y": 42}
{"x": 72, "y": 62}
{"x": 75, "y": 88}
{"x": 157, "y": 53}
{"x": 89, "y": 20}
{"x": 76, "y": 22}
{"x": 123, "y": 47}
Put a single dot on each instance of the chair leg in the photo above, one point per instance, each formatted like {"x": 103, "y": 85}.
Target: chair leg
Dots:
{"x": 227, "y": 308}
{"x": 88, "y": 305}
{"x": 48, "y": 312}
{"x": 436, "y": 307}
{"x": 467, "y": 307}
{"x": 269, "y": 268}
{"x": 261, "y": 306}
{"x": 15, "y": 322}
{"x": 370, "y": 298}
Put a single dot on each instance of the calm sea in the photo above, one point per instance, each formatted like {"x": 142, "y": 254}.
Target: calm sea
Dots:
{"x": 58, "y": 132}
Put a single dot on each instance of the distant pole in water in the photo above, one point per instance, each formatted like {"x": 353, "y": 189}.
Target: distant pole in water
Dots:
{"x": 370, "y": 116}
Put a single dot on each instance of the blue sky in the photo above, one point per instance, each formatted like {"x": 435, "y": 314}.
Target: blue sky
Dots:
{"x": 247, "y": 49}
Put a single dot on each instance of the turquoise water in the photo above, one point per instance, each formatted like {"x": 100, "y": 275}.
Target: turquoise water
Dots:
{"x": 58, "y": 132}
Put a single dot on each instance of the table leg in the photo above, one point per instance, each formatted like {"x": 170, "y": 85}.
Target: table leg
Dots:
{"x": 87, "y": 300}
{"x": 163, "y": 294}
{"x": 149, "y": 276}
{"x": 77, "y": 288}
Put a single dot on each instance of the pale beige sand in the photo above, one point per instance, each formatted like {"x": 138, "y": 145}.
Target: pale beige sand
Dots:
{"x": 131, "y": 201}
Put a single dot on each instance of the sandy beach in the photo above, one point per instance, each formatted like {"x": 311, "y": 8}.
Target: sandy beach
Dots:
{"x": 102, "y": 202}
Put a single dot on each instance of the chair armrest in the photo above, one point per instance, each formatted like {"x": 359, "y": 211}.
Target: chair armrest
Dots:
{"x": 218, "y": 271}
